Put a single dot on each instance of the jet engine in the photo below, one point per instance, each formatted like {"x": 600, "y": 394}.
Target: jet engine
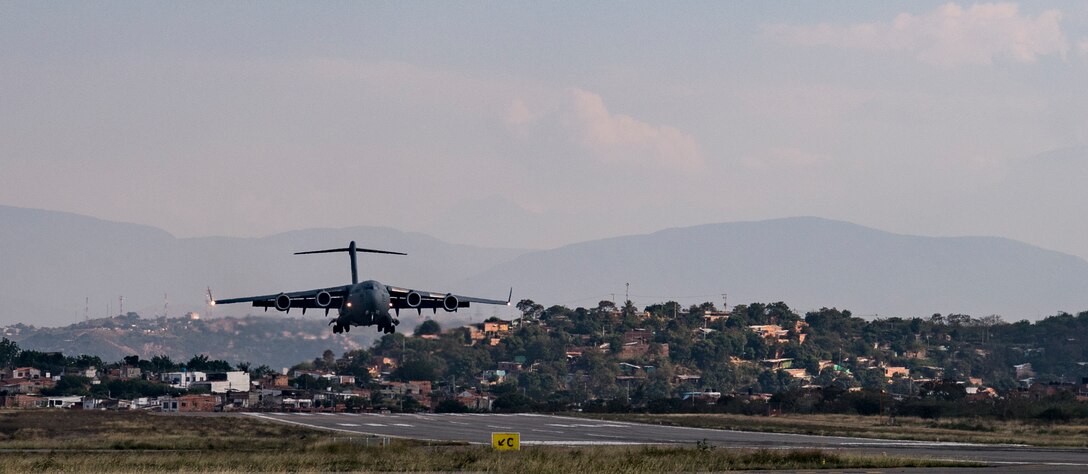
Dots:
{"x": 450, "y": 303}
{"x": 323, "y": 299}
{"x": 413, "y": 299}
{"x": 283, "y": 302}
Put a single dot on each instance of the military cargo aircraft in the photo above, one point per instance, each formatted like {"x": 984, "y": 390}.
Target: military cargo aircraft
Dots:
{"x": 362, "y": 303}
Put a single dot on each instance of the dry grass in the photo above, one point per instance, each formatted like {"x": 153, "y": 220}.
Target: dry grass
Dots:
{"x": 344, "y": 457}
{"x": 74, "y": 441}
{"x": 903, "y": 428}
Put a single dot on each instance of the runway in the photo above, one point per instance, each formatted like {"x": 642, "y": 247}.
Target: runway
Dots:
{"x": 538, "y": 429}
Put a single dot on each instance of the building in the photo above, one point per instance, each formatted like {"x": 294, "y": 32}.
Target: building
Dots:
{"x": 891, "y": 372}
{"x": 195, "y": 403}
{"x": 183, "y": 379}
{"x": 223, "y": 382}
{"x": 27, "y": 373}
{"x": 64, "y": 402}
{"x": 476, "y": 401}
{"x": 498, "y": 327}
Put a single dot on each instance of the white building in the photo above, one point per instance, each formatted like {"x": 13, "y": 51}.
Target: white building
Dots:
{"x": 64, "y": 402}
{"x": 183, "y": 379}
{"x": 223, "y": 382}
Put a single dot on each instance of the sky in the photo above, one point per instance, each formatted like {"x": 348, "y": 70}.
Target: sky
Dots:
{"x": 538, "y": 124}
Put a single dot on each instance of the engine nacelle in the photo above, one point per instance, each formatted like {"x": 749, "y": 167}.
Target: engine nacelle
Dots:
{"x": 323, "y": 299}
{"x": 450, "y": 303}
{"x": 413, "y": 300}
{"x": 283, "y": 302}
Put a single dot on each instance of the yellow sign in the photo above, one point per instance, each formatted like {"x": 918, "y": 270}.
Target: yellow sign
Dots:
{"x": 506, "y": 441}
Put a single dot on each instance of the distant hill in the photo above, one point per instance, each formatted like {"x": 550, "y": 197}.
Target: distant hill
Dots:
{"x": 51, "y": 261}
{"x": 808, "y": 263}
{"x": 276, "y": 342}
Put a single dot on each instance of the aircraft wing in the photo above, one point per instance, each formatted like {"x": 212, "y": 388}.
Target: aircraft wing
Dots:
{"x": 299, "y": 299}
{"x": 398, "y": 298}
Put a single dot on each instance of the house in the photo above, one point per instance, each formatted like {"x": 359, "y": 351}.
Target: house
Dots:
{"x": 891, "y": 372}
{"x": 345, "y": 379}
{"x": 1023, "y": 370}
{"x": 769, "y": 331}
{"x": 496, "y": 327}
{"x": 21, "y": 400}
{"x": 476, "y": 401}
{"x": 776, "y": 364}
{"x": 26, "y": 373}
{"x": 475, "y": 334}
{"x": 714, "y": 316}
{"x": 197, "y": 403}
{"x": 223, "y": 382}
{"x": 28, "y": 386}
{"x": 64, "y": 402}
{"x": 183, "y": 379}
{"x": 710, "y": 398}
{"x": 241, "y": 400}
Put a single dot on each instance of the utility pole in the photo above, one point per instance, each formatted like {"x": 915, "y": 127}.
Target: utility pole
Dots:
{"x": 627, "y": 292}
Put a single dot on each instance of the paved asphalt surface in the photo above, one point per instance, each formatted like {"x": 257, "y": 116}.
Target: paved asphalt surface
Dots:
{"x": 557, "y": 430}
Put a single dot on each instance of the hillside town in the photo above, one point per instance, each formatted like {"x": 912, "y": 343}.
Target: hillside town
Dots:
{"x": 757, "y": 358}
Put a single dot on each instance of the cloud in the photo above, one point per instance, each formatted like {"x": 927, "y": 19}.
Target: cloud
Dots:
{"x": 948, "y": 35}
{"x": 610, "y": 137}
{"x": 617, "y": 137}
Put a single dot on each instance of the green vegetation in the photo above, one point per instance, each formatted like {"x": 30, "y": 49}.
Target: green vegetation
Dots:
{"x": 73, "y": 441}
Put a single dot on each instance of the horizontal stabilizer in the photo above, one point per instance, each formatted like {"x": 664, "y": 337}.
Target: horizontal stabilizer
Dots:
{"x": 357, "y": 249}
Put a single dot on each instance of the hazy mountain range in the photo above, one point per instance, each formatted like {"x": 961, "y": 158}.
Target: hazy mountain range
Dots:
{"x": 52, "y": 262}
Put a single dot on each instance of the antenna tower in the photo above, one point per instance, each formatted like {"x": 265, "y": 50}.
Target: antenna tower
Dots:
{"x": 121, "y": 305}
{"x": 165, "y": 305}
{"x": 86, "y": 308}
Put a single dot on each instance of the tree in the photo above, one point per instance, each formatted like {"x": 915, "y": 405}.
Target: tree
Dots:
{"x": 530, "y": 310}
{"x": 162, "y": 363}
{"x": 450, "y": 405}
{"x": 428, "y": 327}
{"x": 8, "y": 351}
{"x": 201, "y": 362}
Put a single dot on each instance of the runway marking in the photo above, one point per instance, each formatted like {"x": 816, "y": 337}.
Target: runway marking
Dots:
{"x": 500, "y": 427}
{"x": 602, "y": 436}
{"x": 402, "y": 424}
{"x": 347, "y": 424}
{"x": 374, "y": 424}
{"x": 325, "y": 414}
{"x": 547, "y": 431}
{"x": 457, "y": 423}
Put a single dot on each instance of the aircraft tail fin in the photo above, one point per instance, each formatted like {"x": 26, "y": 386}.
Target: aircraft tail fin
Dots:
{"x": 351, "y": 249}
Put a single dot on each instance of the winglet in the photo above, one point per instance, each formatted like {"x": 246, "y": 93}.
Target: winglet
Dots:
{"x": 211, "y": 300}
{"x": 509, "y": 296}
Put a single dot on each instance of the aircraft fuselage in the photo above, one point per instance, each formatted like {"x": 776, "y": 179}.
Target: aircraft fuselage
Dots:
{"x": 366, "y": 304}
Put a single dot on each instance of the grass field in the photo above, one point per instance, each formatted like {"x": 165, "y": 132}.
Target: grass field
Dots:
{"x": 78, "y": 441}
{"x": 904, "y": 428}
